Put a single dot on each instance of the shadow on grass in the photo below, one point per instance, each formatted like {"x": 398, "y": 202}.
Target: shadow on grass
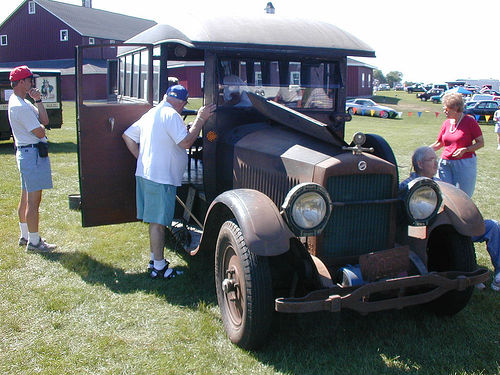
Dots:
{"x": 7, "y": 148}
{"x": 188, "y": 289}
{"x": 411, "y": 341}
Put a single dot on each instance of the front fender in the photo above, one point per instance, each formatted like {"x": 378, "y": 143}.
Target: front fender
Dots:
{"x": 265, "y": 231}
{"x": 460, "y": 211}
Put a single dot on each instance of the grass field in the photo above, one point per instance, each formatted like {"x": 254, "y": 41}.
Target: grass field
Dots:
{"x": 90, "y": 308}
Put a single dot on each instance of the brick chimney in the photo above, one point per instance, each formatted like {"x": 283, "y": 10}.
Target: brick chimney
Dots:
{"x": 87, "y": 3}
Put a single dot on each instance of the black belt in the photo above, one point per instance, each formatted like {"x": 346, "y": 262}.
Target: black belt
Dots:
{"x": 34, "y": 145}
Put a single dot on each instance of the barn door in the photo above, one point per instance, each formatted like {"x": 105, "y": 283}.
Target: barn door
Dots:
{"x": 106, "y": 167}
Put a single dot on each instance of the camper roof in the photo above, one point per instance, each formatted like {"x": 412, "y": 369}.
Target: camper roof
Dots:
{"x": 256, "y": 33}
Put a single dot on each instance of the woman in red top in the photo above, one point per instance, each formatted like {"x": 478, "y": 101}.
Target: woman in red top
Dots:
{"x": 460, "y": 136}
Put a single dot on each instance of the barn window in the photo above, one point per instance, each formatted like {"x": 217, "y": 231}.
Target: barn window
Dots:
{"x": 63, "y": 35}
{"x": 362, "y": 79}
{"x": 31, "y": 7}
{"x": 295, "y": 78}
{"x": 91, "y": 41}
{"x": 3, "y": 40}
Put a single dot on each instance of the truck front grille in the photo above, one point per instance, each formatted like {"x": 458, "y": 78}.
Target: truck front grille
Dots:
{"x": 355, "y": 229}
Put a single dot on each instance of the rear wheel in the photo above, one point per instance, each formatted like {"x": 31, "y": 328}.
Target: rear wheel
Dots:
{"x": 350, "y": 111}
{"x": 448, "y": 250}
{"x": 244, "y": 289}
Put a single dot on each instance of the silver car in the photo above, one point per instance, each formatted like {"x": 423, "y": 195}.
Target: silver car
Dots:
{"x": 367, "y": 107}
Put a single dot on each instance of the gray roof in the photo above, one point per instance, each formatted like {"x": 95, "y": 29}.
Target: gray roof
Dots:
{"x": 95, "y": 22}
{"x": 257, "y": 32}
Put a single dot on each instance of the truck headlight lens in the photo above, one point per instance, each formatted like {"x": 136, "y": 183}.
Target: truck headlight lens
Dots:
{"x": 423, "y": 200}
{"x": 307, "y": 208}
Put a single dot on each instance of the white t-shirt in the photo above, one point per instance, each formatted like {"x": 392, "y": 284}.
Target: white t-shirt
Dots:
{"x": 496, "y": 116}
{"x": 23, "y": 118}
{"x": 158, "y": 133}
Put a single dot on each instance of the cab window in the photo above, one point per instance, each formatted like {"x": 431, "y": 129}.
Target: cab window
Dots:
{"x": 296, "y": 84}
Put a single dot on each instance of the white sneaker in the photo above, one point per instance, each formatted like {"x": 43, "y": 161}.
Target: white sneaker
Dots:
{"x": 41, "y": 247}
{"x": 495, "y": 285}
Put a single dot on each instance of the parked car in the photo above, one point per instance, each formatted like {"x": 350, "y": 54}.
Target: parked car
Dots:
{"x": 367, "y": 107}
{"x": 482, "y": 109}
{"x": 399, "y": 87}
{"x": 294, "y": 219}
{"x": 415, "y": 88}
{"x": 429, "y": 94}
{"x": 383, "y": 87}
{"x": 441, "y": 86}
{"x": 437, "y": 98}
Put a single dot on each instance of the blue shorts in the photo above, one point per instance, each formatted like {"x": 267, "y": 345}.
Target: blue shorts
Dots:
{"x": 35, "y": 170}
{"x": 155, "y": 202}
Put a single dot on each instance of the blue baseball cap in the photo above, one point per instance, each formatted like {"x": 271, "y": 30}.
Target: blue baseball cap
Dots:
{"x": 178, "y": 92}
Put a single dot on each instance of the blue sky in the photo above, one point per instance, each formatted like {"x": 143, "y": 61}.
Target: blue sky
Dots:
{"x": 430, "y": 41}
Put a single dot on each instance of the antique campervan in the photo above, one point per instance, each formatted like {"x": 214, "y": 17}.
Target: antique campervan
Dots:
{"x": 297, "y": 219}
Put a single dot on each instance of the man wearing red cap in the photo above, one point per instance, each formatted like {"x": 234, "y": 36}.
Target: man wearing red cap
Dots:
{"x": 28, "y": 128}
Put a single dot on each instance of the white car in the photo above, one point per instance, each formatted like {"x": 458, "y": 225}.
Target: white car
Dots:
{"x": 367, "y": 107}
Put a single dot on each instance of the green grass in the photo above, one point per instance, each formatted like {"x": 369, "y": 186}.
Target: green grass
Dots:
{"x": 90, "y": 308}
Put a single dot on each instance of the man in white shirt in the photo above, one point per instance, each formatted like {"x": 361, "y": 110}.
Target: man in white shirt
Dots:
{"x": 496, "y": 118}
{"x": 159, "y": 140}
{"x": 28, "y": 129}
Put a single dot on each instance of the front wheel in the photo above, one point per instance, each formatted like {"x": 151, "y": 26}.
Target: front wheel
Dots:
{"x": 244, "y": 289}
{"x": 350, "y": 111}
{"x": 448, "y": 250}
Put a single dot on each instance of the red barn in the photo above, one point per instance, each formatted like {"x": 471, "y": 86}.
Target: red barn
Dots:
{"x": 43, "y": 34}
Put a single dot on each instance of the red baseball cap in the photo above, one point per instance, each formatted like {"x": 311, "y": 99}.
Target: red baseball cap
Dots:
{"x": 21, "y": 72}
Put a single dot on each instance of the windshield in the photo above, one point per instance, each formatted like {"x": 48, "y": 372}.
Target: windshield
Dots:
{"x": 299, "y": 85}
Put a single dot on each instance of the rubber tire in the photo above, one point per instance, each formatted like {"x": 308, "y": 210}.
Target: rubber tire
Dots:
{"x": 448, "y": 250}
{"x": 247, "y": 320}
{"x": 384, "y": 114}
{"x": 350, "y": 111}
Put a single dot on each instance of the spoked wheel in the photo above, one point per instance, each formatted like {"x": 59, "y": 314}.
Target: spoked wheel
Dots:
{"x": 244, "y": 290}
{"x": 448, "y": 250}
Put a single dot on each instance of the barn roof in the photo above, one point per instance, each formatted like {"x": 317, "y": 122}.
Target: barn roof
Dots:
{"x": 95, "y": 22}
{"x": 256, "y": 32}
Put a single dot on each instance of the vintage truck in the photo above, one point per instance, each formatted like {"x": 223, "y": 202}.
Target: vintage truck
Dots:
{"x": 297, "y": 219}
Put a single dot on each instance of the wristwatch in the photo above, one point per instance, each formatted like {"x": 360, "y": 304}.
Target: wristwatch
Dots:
{"x": 38, "y": 101}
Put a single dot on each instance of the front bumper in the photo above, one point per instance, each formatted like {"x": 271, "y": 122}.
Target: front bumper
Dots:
{"x": 393, "y": 293}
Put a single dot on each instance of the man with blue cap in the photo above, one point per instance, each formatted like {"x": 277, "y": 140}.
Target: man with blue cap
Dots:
{"x": 159, "y": 140}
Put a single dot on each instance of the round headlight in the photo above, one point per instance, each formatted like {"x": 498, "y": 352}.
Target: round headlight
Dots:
{"x": 307, "y": 208}
{"x": 422, "y": 201}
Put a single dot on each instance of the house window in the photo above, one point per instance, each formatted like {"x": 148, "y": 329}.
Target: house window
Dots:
{"x": 91, "y": 41}
{"x": 295, "y": 78}
{"x": 258, "y": 78}
{"x": 31, "y": 7}
{"x": 63, "y": 35}
{"x": 3, "y": 40}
